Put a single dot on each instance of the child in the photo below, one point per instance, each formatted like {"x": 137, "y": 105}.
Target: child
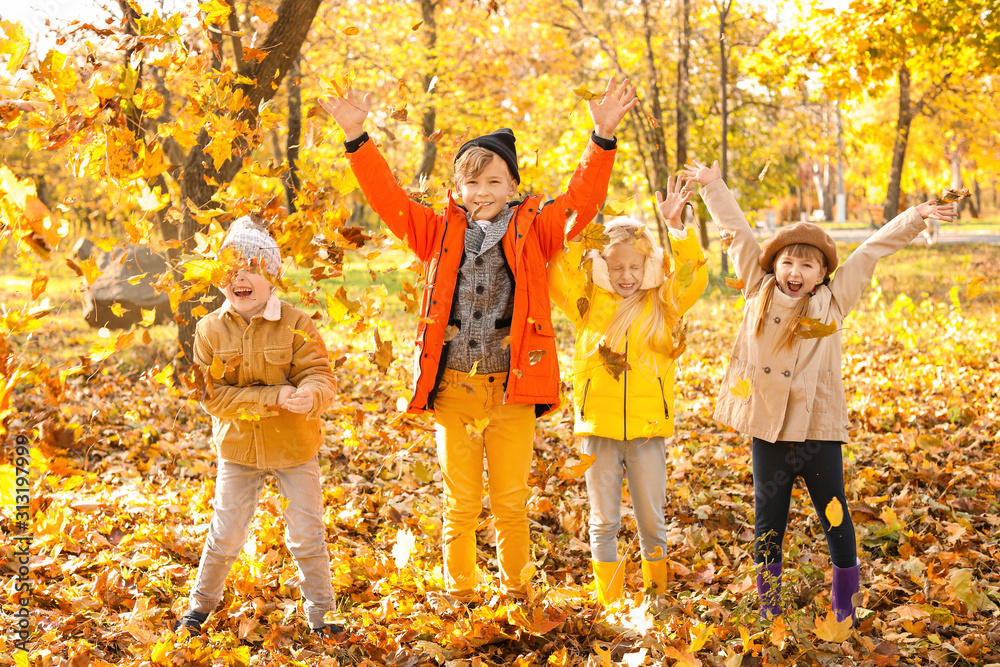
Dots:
{"x": 625, "y": 413}
{"x": 265, "y": 411}
{"x": 485, "y": 350}
{"x": 786, "y": 391}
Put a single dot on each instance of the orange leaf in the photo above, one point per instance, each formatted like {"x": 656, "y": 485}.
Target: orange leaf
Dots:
{"x": 735, "y": 283}
{"x": 569, "y": 471}
{"x": 975, "y": 288}
{"x": 351, "y": 31}
{"x": 810, "y": 328}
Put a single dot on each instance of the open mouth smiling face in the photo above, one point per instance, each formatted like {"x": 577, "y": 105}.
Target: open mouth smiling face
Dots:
{"x": 248, "y": 292}
{"x": 798, "y": 276}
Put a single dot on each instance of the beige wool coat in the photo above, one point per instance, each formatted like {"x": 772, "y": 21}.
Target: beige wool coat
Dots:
{"x": 277, "y": 347}
{"x": 796, "y": 394}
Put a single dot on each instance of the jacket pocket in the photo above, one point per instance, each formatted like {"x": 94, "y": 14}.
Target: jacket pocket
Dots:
{"x": 232, "y": 361}
{"x": 663, "y": 395}
{"x": 820, "y": 391}
{"x": 277, "y": 365}
{"x": 739, "y": 372}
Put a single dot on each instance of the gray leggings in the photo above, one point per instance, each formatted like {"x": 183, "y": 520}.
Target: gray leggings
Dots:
{"x": 644, "y": 461}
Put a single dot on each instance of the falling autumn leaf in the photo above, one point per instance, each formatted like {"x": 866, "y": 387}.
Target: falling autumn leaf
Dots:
{"x": 216, "y": 11}
{"x": 735, "y": 283}
{"x": 582, "y": 306}
{"x": 742, "y": 388}
{"x": 401, "y": 550}
{"x": 811, "y": 328}
{"x": 351, "y": 31}
{"x": 586, "y": 94}
{"x": 576, "y": 469}
{"x": 834, "y": 512}
{"x": 975, "y": 287}
{"x": 382, "y": 355}
{"x": 615, "y": 363}
{"x": 951, "y": 196}
{"x": 760, "y": 176}
{"x": 534, "y": 356}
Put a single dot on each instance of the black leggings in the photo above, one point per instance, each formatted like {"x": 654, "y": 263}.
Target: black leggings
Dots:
{"x": 775, "y": 467}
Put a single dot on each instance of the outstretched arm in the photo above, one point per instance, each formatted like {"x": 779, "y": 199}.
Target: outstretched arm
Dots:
{"x": 349, "y": 113}
{"x": 608, "y": 111}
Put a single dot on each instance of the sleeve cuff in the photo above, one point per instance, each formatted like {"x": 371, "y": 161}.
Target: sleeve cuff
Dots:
{"x": 606, "y": 144}
{"x": 354, "y": 144}
{"x": 679, "y": 234}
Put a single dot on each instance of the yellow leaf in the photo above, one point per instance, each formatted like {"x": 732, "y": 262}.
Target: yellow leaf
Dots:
{"x": 742, "y": 389}
{"x": 834, "y": 512}
{"x": 829, "y": 629}
{"x": 14, "y": 44}
{"x": 135, "y": 280}
{"x": 90, "y": 271}
{"x": 481, "y": 424}
{"x": 585, "y": 93}
{"x": 475, "y": 367}
{"x": 975, "y": 288}
{"x": 700, "y": 635}
{"x": 216, "y": 11}
{"x": 217, "y": 369}
{"x": 118, "y": 309}
{"x": 199, "y": 311}
{"x": 778, "y": 631}
{"x": 810, "y": 328}
{"x": 166, "y": 376}
{"x": 604, "y": 655}
{"x": 351, "y": 31}
{"x": 148, "y": 317}
{"x": 20, "y": 658}
{"x": 38, "y": 285}
{"x": 150, "y": 199}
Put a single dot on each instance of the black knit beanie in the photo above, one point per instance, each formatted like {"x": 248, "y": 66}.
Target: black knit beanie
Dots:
{"x": 500, "y": 142}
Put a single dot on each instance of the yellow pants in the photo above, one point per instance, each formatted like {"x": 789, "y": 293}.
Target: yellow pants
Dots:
{"x": 465, "y": 404}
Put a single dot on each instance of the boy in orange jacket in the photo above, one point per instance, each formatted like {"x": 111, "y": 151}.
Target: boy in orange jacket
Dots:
{"x": 485, "y": 275}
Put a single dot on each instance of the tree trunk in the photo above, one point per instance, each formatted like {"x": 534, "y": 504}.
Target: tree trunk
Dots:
{"x": 282, "y": 45}
{"x": 890, "y": 208}
{"x": 291, "y": 179}
{"x": 723, "y": 81}
{"x": 428, "y": 119}
{"x": 658, "y": 138}
{"x": 684, "y": 105}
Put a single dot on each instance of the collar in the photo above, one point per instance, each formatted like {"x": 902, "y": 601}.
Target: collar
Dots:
{"x": 271, "y": 312}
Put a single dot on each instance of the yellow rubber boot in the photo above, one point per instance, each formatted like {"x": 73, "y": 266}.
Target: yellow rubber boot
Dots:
{"x": 654, "y": 575}
{"x": 609, "y": 578}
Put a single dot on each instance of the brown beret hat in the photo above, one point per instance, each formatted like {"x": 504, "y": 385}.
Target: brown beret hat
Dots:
{"x": 800, "y": 232}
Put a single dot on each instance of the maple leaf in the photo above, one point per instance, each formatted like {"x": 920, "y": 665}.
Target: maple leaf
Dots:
{"x": 264, "y": 13}
{"x": 834, "y": 512}
{"x": 742, "y": 388}
{"x": 216, "y": 11}
{"x": 250, "y": 53}
{"x": 586, "y": 94}
{"x": 382, "y": 355}
{"x": 38, "y": 285}
{"x": 726, "y": 239}
{"x": 975, "y": 288}
{"x": 735, "y": 283}
{"x": 811, "y": 328}
{"x": 962, "y": 586}
{"x": 15, "y": 43}
{"x": 118, "y": 309}
{"x": 829, "y": 629}
{"x": 90, "y": 271}
{"x": 572, "y": 470}
{"x": 614, "y": 363}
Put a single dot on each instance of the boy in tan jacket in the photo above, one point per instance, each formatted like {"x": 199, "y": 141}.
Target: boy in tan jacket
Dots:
{"x": 265, "y": 410}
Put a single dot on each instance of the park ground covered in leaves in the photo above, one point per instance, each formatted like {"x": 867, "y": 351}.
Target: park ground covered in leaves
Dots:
{"x": 122, "y": 481}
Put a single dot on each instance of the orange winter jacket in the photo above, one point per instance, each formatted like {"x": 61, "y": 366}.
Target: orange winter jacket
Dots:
{"x": 535, "y": 234}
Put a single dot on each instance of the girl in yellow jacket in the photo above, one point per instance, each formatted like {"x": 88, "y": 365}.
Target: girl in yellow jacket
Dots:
{"x": 627, "y": 305}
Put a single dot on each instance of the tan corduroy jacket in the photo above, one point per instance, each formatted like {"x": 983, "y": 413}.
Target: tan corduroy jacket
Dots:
{"x": 796, "y": 394}
{"x": 278, "y": 347}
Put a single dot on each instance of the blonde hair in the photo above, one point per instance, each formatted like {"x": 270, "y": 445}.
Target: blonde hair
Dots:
{"x": 801, "y": 251}
{"x": 473, "y": 162}
{"x": 648, "y": 313}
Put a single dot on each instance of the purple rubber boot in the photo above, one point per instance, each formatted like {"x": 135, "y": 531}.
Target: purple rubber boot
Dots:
{"x": 846, "y": 581}
{"x": 769, "y": 590}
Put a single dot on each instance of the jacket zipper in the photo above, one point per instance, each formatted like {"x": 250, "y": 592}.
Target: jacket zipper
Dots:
{"x": 583, "y": 403}
{"x": 423, "y": 339}
{"x": 663, "y": 395}
{"x": 625, "y": 396}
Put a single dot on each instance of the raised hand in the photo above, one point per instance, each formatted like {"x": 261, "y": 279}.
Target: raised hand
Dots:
{"x": 672, "y": 205}
{"x": 608, "y": 111}
{"x": 702, "y": 173}
{"x": 943, "y": 212}
{"x": 348, "y": 112}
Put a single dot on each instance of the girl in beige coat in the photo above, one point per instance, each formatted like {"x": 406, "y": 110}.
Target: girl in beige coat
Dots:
{"x": 786, "y": 390}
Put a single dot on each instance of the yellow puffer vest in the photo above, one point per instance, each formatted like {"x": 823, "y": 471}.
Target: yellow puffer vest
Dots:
{"x": 640, "y": 402}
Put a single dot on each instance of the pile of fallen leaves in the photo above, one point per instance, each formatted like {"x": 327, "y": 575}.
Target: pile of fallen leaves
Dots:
{"x": 123, "y": 479}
